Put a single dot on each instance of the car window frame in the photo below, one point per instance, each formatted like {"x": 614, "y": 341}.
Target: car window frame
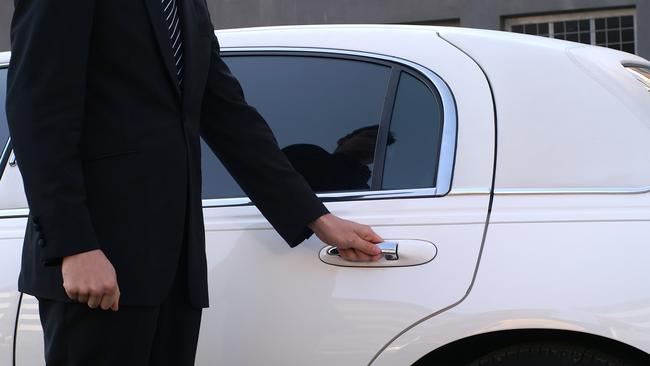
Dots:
{"x": 7, "y": 148}
{"x": 437, "y": 86}
{"x": 439, "y": 89}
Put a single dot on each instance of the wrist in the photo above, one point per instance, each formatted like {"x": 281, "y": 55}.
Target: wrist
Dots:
{"x": 320, "y": 223}
{"x": 81, "y": 254}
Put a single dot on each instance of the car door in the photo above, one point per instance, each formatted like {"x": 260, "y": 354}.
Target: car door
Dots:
{"x": 380, "y": 139}
{"x": 9, "y": 241}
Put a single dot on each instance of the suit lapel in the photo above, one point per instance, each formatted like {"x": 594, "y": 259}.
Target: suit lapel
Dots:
{"x": 162, "y": 36}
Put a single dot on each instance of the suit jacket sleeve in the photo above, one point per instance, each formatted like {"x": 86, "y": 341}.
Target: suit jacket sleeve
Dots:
{"x": 242, "y": 140}
{"x": 45, "y": 109}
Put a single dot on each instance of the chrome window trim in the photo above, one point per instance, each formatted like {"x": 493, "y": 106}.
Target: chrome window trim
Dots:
{"x": 5, "y": 58}
{"x": 552, "y": 191}
{"x": 447, "y": 155}
{"x": 631, "y": 67}
{"x": 9, "y": 213}
{"x": 564, "y": 190}
{"x": 416, "y": 193}
{"x": 334, "y": 197}
{"x": 430, "y": 192}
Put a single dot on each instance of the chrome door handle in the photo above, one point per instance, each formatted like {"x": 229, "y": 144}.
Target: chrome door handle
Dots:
{"x": 388, "y": 250}
{"x": 395, "y": 253}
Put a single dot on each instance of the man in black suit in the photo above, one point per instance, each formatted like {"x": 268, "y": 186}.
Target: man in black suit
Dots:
{"x": 106, "y": 102}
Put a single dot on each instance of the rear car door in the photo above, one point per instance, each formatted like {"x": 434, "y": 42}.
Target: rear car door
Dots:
{"x": 13, "y": 218}
{"x": 9, "y": 242}
{"x": 379, "y": 139}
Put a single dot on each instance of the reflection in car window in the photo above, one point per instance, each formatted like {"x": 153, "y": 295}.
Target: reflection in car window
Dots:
{"x": 416, "y": 125}
{"x": 324, "y": 112}
{"x": 4, "y": 128}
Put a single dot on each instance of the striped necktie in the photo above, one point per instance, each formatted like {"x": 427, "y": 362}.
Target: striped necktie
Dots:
{"x": 172, "y": 19}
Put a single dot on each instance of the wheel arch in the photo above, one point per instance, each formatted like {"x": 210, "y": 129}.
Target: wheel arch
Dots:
{"x": 462, "y": 351}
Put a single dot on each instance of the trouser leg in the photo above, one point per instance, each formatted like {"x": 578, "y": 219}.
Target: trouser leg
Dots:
{"x": 76, "y": 335}
{"x": 177, "y": 334}
{"x": 178, "y": 324}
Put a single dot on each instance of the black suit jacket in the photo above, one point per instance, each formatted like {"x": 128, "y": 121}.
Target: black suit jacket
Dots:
{"x": 108, "y": 146}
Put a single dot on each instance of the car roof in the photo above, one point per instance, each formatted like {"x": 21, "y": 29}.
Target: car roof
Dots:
{"x": 280, "y": 35}
{"x": 289, "y": 34}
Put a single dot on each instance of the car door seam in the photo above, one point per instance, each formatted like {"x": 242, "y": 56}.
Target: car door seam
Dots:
{"x": 487, "y": 219}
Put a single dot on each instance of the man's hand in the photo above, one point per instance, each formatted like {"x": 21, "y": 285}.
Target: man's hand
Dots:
{"x": 355, "y": 242}
{"x": 90, "y": 278}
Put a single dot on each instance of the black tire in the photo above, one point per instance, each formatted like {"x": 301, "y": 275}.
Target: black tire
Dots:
{"x": 549, "y": 354}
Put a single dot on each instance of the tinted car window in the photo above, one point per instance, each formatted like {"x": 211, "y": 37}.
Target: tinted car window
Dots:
{"x": 324, "y": 112}
{"x": 4, "y": 129}
{"x": 415, "y": 131}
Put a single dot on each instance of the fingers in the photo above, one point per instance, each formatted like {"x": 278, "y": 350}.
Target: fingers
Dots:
{"x": 111, "y": 301}
{"x": 354, "y": 255}
{"x": 365, "y": 247}
{"x": 116, "y": 304}
{"x": 348, "y": 254}
{"x": 93, "y": 300}
{"x": 106, "y": 297}
{"x": 71, "y": 291}
{"x": 83, "y": 296}
{"x": 111, "y": 294}
{"x": 366, "y": 233}
{"x": 107, "y": 301}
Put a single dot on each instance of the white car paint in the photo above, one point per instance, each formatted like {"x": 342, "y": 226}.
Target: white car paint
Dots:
{"x": 552, "y": 256}
{"x": 567, "y": 241}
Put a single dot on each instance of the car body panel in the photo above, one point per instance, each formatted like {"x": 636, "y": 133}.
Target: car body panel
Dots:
{"x": 331, "y": 314}
{"x": 10, "y": 249}
{"x": 587, "y": 126}
{"x": 583, "y": 270}
{"x": 566, "y": 246}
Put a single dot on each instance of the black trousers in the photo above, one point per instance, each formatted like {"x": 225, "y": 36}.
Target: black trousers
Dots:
{"x": 76, "y": 335}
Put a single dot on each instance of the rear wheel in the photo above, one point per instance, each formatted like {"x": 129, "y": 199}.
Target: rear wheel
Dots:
{"x": 549, "y": 354}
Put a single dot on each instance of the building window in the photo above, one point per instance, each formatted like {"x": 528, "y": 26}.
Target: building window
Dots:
{"x": 611, "y": 28}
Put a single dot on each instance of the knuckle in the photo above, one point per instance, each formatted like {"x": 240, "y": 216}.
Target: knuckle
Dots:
{"x": 105, "y": 288}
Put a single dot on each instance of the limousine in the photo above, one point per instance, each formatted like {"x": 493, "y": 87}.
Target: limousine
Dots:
{"x": 510, "y": 175}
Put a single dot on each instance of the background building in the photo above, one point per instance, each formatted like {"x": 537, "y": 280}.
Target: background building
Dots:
{"x": 621, "y": 24}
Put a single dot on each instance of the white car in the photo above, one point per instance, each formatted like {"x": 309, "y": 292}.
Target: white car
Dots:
{"x": 511, "y": 174}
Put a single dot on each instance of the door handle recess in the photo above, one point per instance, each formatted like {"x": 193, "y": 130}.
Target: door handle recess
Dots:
{"x": 396, "y": 253}
{"x": 388, "y": 250}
